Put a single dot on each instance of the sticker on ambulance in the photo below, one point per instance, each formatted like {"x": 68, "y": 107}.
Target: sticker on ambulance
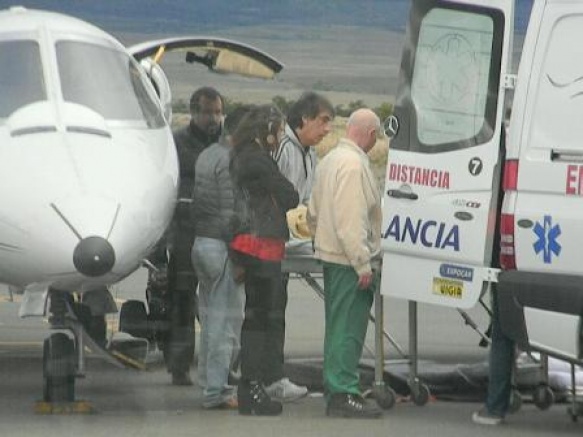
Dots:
{"x": 547, "y": 243}
{"x": 456, "y": 272}
{"x": 448, "y": 288}
{"x": 466, "y": 203}
{"x": 475, "y": 166}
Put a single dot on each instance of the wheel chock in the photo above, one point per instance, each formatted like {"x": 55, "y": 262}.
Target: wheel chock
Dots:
{"x": 76, "y": 407}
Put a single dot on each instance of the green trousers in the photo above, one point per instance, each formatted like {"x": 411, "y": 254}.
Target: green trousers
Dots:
{"x": 347, "y": 308}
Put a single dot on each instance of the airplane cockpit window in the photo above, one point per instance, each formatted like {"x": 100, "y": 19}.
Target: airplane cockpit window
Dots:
{"x": 107, "y": 81}
{"x": 21, "y": 75}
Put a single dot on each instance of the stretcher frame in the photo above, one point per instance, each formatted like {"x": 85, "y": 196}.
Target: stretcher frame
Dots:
{"x": 307, "y": 268}
{"x": 301, "y": 264}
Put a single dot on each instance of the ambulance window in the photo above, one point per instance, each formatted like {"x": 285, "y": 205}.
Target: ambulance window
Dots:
{"x": 21, "y": 75}
{"x": 107, "y": 81}
{"x": 453, "y": 80}
{"x": 558, "y": 110}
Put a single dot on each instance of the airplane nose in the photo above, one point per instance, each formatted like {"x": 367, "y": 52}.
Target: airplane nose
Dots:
{"x": 93, "y": 256}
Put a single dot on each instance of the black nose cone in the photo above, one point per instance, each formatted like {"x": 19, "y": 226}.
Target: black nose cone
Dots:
{"x": 93, "y": 256}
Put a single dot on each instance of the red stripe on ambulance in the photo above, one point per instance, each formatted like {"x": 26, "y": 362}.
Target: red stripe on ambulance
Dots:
{"x": 574, "y": 180}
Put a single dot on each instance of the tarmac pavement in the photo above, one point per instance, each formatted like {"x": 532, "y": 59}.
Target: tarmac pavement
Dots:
{"x": 143, "y": 403}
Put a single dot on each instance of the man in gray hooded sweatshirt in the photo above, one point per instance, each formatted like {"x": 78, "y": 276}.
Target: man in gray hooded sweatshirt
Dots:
{"x": 309, "y": 120}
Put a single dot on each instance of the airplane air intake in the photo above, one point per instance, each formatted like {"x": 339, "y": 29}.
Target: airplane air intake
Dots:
{"x": 94, "y": 256}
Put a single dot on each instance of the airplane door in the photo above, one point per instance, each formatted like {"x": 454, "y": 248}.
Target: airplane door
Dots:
{"x": 439, "y": 205}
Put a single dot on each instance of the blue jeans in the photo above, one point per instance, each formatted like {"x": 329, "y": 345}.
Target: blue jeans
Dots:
{"x": 500, "y": 366}
{"x": 221, "y": 316}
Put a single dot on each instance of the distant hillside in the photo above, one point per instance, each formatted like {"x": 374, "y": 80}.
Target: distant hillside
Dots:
{"x": 347, "y": 49}
{"x": 179, "y": 16}
{"x": 170, "y": 16}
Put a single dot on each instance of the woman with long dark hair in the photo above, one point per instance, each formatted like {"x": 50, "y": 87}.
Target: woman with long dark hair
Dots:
{"x": 263, "y": 196}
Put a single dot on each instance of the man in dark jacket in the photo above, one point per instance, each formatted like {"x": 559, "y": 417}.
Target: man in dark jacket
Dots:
{"x": 206, "y": 110}
{"x": 220, "y": 298}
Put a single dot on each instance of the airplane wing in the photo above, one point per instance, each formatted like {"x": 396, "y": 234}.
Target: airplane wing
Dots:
{"x": 218, "y": 54}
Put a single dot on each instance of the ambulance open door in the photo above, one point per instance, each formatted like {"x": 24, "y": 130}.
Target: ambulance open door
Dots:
{"x": 439, "y": 203}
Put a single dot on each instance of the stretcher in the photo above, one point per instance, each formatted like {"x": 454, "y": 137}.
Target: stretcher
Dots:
{"x": 300, "y": 263}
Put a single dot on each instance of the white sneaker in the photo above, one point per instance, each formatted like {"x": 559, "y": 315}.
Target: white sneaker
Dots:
{"x": 482, "y": 417}
{"x": 285, "y": 391}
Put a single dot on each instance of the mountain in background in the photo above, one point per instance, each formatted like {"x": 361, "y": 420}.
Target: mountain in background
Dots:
{"x": 179, "y": 16}
{"x": 347, "y": 49}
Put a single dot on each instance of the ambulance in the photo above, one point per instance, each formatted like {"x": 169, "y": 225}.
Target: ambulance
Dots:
{"x": 472, "y": 198}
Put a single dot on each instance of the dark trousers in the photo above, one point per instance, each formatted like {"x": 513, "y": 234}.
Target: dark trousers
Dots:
{"x": 261, "y": 346}
{"x": 182, "y": 283}
{"x": 275, "y": 372}
{"x": 501, "y": 362}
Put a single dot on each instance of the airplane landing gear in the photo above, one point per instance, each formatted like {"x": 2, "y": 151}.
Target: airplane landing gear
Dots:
{"x": 59, "y": 364}
{"x": 63, "y": 357}
{"x": 58, "y": 369}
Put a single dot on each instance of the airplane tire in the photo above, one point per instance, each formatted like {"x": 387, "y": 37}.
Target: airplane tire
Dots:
{"x": 58, "y": 369}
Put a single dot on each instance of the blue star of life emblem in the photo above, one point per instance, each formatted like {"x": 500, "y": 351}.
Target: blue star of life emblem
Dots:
{"x": 547, "y": 239}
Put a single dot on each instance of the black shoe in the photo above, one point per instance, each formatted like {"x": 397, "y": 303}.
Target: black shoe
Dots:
{"x": 351, "y": 405}
{"x": 253, "y": 401}
{"x": 181, "y": 378}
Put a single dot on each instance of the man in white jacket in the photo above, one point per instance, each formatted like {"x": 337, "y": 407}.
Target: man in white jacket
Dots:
{"x": 344, "y": 215}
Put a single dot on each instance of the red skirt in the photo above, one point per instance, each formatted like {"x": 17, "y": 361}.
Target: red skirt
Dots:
{"x": 267, "y": 249}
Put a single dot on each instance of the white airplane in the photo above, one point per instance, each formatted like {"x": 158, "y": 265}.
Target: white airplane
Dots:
{"x": 88, "y": 165}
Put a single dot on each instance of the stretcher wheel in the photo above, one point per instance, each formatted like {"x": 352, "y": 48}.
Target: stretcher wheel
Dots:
{"x": 543, "y": 397}
{"x": 385, "y": 397}
{"x": 515, "y": 402}
{"x": 575, "y": 411}
{"x": 419, "y": 394}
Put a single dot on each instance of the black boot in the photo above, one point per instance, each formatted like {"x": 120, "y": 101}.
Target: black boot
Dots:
{"x": 351, "y": 405}
{"x": 253, "y": 401}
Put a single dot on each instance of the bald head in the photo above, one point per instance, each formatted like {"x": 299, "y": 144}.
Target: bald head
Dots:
{"x": 363, "y": 128}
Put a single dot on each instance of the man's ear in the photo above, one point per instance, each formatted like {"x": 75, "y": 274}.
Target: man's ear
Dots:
{"x": 270, "y": 139}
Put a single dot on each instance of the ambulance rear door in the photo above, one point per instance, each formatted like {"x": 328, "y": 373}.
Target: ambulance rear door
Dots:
{"x": 542, "y": 217}
{"x": 439, "y": 205}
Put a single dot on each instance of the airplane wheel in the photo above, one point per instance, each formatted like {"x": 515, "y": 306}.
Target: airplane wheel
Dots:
{"x": 420, "y": 394}
{"x": 385, "y": 397}
{"x": 543, "y": 397}
{"x": 515, "y": 402}
{"x": 59, "y": 368}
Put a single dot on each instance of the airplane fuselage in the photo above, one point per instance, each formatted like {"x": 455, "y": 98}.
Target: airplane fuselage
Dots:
{"x": 88, "y": 167}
